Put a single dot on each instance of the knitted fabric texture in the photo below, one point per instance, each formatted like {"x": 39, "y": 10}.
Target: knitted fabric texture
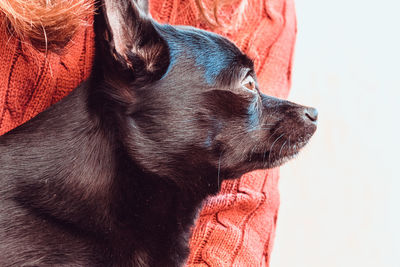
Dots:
{"x": 236, "y": 227}
{"x": 31, "y": 81}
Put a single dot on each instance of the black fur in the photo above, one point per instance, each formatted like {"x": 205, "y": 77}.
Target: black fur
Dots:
{"x": 115, "y": 173}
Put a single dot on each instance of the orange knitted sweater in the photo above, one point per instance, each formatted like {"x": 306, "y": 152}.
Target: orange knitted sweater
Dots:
{"x": 236, "y": 227}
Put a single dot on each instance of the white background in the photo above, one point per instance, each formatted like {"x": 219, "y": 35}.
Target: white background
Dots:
{"x": 340, "y": 199}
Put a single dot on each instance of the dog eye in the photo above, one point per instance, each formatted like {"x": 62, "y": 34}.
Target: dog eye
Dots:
{"x": 249, "y": 83}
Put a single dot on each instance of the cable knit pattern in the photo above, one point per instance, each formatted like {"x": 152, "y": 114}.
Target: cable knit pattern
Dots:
{"x": 236, "y": 227}
{"x": 31, "y": 81}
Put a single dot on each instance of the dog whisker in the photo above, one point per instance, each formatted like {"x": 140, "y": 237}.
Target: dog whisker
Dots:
{"x": 272, "y": 146}
{"x": 259, "y": 128}
{"x": 265, "y": 151}
{"x": 280, "y": 151}
{"x": 252, "y": 151}
{"x": 270, "y": 116}
{"x": 219, "y": 169}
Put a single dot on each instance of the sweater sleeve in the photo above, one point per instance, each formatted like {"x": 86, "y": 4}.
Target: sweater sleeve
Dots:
{"x": 31, "y": 81}
{"x": 237, "y": 226}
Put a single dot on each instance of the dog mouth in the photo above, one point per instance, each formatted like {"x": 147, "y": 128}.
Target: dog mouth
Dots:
{"x": 287, "y": 151}
{"x": 283, "y": 148}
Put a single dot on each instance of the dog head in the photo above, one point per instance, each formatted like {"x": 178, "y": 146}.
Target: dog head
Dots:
{"x": 188, "y": 101}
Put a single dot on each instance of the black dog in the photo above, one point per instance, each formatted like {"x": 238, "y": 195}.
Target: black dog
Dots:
{"x": 114, "y": 174}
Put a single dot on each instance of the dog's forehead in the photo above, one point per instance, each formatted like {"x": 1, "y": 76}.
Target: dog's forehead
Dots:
{"x": 210, "y": 52}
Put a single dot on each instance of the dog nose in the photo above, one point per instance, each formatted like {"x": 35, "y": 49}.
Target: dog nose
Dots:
{"x": 311, "y": 114}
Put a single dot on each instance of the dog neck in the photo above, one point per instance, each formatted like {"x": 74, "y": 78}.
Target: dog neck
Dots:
{"x": 87, "y": 182}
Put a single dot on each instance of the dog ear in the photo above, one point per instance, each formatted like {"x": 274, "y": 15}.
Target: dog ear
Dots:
{"x": 132, "y": 38}
{"x": 143, "y": 5}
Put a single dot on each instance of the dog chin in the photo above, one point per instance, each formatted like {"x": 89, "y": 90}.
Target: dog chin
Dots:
{"x": 284, "y": 154}
{"x": 280, "y": 161}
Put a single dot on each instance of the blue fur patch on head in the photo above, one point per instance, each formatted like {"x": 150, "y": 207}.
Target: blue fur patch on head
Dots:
{"x": 211, "y": 53}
